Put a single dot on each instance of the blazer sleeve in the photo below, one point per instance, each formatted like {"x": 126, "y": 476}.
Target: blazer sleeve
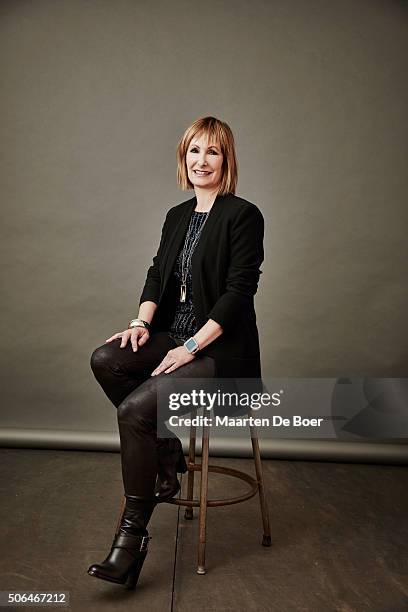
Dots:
{"x": 151, "y": 289}
{"x": 246, "y": 257}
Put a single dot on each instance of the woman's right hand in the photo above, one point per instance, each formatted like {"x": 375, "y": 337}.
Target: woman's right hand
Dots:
{"x": 138, "y": 337}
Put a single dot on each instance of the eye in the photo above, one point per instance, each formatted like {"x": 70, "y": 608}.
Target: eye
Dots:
{"x": 195, "y": 150}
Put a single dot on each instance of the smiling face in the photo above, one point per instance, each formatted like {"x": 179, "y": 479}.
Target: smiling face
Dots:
{"x": 204, "y": 162}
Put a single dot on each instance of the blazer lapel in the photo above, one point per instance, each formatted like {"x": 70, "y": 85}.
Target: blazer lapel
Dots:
{"x": 215, "y": 212}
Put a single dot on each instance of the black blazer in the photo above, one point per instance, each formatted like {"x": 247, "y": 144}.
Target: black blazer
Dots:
{"x": 225, "y": 274}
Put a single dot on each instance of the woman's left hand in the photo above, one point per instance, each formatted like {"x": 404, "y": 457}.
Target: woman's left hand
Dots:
{"x": 174, "y": 359}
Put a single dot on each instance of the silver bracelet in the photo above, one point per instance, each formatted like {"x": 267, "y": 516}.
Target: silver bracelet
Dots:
{"x": 139, "y": 323}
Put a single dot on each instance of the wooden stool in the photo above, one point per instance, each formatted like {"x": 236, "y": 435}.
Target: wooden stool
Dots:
{"x": 256, "y": 486}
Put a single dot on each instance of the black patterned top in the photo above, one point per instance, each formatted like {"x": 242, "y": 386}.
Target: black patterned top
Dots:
{"x": 184, "y": 323}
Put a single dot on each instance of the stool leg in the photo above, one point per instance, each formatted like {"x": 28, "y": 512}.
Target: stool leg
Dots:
{"x": 266, "y": 540}
{"x": 203, "y": 502}
{"x": 188, "y": 513}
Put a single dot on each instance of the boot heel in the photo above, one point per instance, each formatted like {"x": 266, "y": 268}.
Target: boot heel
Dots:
{"x": 134, "y": 573}
{"x": 181, "y": 464}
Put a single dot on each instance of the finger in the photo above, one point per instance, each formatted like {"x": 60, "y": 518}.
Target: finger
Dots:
{"x": 170, "y": 366}
{"x": 112, "y": 337}
{"x": 125, "y": 338}
{"x": 143, "y": 339}
{"x": 162, "y": 366}
{"x": 166, "y": 362}
{"x": 134, "y": 343}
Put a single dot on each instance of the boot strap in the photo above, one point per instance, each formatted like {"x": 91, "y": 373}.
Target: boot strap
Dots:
{"x": 131, "y": 542}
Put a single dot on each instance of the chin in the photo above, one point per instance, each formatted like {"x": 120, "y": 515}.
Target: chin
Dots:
{"x": 201, "y": 183}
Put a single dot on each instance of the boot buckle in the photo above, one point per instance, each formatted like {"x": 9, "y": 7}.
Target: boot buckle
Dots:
{"x": 144, "y": 543}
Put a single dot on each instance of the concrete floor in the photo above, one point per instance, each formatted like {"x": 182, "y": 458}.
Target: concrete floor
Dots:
{"x": 340, "y": 537}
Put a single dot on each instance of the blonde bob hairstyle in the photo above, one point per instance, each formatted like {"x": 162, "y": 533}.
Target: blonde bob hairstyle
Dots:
{"x": 220, "y": 134}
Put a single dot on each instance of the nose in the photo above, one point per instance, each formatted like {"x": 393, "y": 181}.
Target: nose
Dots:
{"x": 202, "y": 161}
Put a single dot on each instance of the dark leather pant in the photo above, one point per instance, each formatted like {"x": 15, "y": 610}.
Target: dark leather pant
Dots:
{"x": 125, "y": 377}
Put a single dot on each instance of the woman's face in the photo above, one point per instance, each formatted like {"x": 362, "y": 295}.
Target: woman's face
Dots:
{"x": 204, "y": 162}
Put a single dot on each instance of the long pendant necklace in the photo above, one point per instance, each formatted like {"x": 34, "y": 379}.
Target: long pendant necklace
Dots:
{"x": 186, "y": 261}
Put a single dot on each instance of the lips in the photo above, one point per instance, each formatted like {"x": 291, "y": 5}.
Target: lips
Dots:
{"x": 201, "y": 172}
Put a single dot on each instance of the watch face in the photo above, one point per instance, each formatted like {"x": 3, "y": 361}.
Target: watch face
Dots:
{"x": 190, "y": 344}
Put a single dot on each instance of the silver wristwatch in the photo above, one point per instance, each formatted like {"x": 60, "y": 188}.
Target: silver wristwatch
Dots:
{"x": 191, "y": 345}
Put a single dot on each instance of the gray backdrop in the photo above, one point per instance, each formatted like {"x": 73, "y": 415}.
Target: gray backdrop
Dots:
{"x": 94, "y": 98}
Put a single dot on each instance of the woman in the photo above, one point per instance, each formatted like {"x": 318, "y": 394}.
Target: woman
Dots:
{"x": 196, "y": 319}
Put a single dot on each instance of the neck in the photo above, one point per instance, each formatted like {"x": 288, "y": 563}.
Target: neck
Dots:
{"x": 205, "y": 199}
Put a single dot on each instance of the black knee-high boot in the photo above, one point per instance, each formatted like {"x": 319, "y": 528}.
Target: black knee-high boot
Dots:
{"x": 129, "y": 548}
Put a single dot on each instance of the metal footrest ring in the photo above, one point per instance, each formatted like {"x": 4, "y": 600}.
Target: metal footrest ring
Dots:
{"x": 196, "y": 467}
